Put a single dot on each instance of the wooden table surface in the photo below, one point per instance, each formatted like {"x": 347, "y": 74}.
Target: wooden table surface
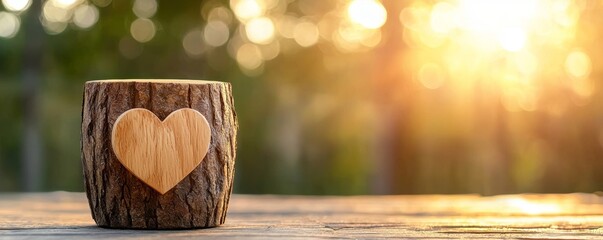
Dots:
{"x": 571, "y": 216}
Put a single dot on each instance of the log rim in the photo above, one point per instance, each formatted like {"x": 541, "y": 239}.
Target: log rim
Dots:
{"x": 157, "y": 80}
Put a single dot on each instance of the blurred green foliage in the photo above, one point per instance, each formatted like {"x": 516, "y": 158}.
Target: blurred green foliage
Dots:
{"x": 322, "y": 119}
{"x": 335, "y": 163}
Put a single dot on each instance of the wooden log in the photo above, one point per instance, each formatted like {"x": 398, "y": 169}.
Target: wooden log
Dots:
{"x": 117, "y": 198}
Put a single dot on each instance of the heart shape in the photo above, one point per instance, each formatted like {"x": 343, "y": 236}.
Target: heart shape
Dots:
{"x": 161, "y": 153}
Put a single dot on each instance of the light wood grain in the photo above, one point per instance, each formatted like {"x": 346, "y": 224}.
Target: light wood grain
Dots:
{"x": 160, "y": 153}
{"x": 563, "y": 216}
{"x": 179, "y": 81}
{"x": 118, "y": 198}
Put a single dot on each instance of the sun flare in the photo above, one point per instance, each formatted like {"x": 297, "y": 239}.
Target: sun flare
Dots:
{"x": 368, "y": 13}
{"x": 522, "y": 48}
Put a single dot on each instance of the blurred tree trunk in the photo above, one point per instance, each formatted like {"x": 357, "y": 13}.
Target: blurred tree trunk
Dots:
{"x": 32, "y": 159}
{"x": 394, "y": 148}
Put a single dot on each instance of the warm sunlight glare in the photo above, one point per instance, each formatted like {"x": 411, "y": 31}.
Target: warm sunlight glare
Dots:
{"x": 431, "y": 76}
{"x": 512, "y": 39}
{"x": 534, "y": 207}
{"x": 247, "y": 9}
{"x": 260, "y": 30}
{"x": 367, "y": 13}
{"x": 16, "y": 5}
{"x": 578, "y": 64}
{"x": 9, "y": 25}
{"x": 85, "y": 16}
{"x": 53, "y": 13}
{"x": 66, "y": 3}
{"x": 510, "y": 46}
{"x": 249, "y": 56}
{"x": 306, "y": 34}
{"x": 506, "y": 22}
{"x": 443, "y": 17}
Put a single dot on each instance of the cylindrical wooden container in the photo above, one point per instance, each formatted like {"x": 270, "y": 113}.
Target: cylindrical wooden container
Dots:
{"x": 117, "y": 198}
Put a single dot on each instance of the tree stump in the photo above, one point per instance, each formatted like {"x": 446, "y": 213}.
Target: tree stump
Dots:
{"x": 117, "y": 198}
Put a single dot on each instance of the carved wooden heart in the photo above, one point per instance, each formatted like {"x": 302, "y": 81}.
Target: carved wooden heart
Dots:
{"x": 160, "y": 153}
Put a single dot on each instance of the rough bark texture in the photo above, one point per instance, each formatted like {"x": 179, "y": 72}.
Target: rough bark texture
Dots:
{"x": 120, "y": 200}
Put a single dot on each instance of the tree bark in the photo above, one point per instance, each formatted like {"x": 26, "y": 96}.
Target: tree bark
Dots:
{"x": 117, "y": 198}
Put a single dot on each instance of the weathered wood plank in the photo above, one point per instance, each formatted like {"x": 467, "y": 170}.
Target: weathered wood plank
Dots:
{"x": 576, "y": 216}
